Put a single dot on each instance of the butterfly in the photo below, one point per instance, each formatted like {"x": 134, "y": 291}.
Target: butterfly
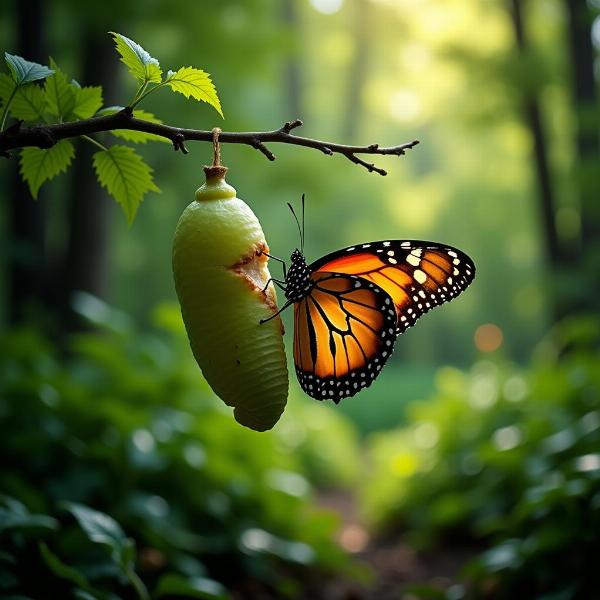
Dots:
{"x": 352, "y": 304}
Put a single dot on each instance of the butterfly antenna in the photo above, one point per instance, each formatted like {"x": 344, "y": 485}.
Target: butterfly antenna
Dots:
{"x": 299, "y": 228}
{"x": 303, "y": 221}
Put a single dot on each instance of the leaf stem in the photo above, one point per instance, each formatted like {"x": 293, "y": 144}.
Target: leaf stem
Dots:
{"x": 8, "y": 103}
{"x": 144, "y": 92}
{"x": 138, "y": 93}
{"x": 91, "y": 140}
{"x": 138, "y": 585}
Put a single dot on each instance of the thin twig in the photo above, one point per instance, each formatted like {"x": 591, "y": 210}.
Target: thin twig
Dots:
{"x": 45, "y": 136}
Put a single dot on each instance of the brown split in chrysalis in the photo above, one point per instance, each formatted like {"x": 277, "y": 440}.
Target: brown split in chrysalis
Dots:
{"x": 252, "y": 269}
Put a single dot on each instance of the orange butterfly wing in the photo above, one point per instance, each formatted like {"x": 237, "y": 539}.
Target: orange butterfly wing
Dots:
{"x": 417, "y": 275}
{"x": 344, "y": 332}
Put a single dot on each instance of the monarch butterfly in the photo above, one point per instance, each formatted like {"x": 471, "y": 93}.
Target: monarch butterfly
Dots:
{"x": 350, "y": 306}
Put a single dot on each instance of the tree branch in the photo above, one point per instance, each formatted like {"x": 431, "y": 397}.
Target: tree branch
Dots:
{"x": 45, "y": 136}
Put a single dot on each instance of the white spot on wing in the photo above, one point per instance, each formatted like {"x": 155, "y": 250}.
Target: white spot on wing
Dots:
{"x": 420, "y": 276}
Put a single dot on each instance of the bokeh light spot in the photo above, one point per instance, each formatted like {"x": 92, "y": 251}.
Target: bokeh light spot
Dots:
{"x": 405, "y": 105}
{"x": 483, "y": 392}
{"x": 426, "y": 435}
{"x": 507, "y": 438}
{"x": 143, "y": 440}
{"x": 327, "y": 7}
{"x": 354, "y": 538}
{"x": 515, "y": 389}
{"x": 588, "y": 462}
{"x": 404, "y": 464}
{"x": 488, "y": 337}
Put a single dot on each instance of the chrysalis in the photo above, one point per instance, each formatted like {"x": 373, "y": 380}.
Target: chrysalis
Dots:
{"x": 220, "y": 272}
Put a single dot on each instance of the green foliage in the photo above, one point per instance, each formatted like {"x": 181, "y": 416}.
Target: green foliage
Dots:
{"x": 189, "y": 81}
{"x": 60, "y": 94}
{"x": 195, "y": 83}
{"x": 193, "y": 587}
{"x": 23, "y": 71}
{"x": 29, "y": 101}
{"x": 39, "y": 165}
{"x": 130, "y": 476}
{"x": 123, "y": 172}
{"x": 22, "y": 74}
{"x": 88, "y": 101}
{"x": 140, "y": 64}
{"x": 507, "y": 457}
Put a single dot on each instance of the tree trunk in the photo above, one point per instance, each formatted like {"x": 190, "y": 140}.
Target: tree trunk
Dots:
{"x": 587, "y": 144}
{"x": 545, "y": 191}
{"x": 27, "y": 264}
{"x": 86, "y": 264}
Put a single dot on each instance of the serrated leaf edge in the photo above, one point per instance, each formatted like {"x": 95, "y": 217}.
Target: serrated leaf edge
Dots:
{"x": 47, "y": 153}
{"x": 130, "y": 214}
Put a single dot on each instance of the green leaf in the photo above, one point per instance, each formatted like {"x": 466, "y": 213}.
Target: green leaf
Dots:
{"x": 195, "y": 83}
{"x": 103, "y": 529}
{"x": 138, "y": 137}
{"x": 23, "y": 71}
{"x": 13, "y": 505}
{"x": 195, "y": 587}
{"x": 141, "y": 65}
{"x": 60, "y": 94}
{"x": 123, "y": 172}
{"x": 38, "y": 165}
{"x": 83, "y": 595}
{"x": 61, "y": 569}
{"x": 99, "y": 527}
{"x": 29, "y": 103}
{"x": 88, "y": 101}
{"x": 7, "y": 85}
{"x": 14, "y": 515}
{"x": 28, "y": 521}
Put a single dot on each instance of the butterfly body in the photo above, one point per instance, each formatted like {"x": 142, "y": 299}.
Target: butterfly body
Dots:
{"x": 297, "y": 281}
{"x": 351, "y": 305}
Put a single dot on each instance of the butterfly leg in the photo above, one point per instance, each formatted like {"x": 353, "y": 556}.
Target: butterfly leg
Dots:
{"x": 278, "y": 282}
{"x": 278, "y": 260}
{"x": 288, "y": 303}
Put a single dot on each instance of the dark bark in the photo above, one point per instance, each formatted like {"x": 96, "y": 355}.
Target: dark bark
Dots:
{"x": 27, "y": 266}
{"x": 584, "y": 83}
{"x": 86, "y": 263}
{"x": 292, "y": 71}
{"x": 545, "y": 191}
{"x": 45, "y": 136}
{"x": 585, "y": 99}
{"x": 357, "y": 71}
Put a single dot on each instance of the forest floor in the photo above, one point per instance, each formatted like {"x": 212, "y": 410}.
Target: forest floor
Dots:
{"x": 394, "y": 564}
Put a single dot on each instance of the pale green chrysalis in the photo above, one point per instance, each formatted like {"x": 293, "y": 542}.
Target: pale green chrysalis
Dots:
{"x": 220, "y": 273}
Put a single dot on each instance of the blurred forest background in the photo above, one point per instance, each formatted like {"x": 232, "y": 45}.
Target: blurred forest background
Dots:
{"x": 471, "y": 468}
